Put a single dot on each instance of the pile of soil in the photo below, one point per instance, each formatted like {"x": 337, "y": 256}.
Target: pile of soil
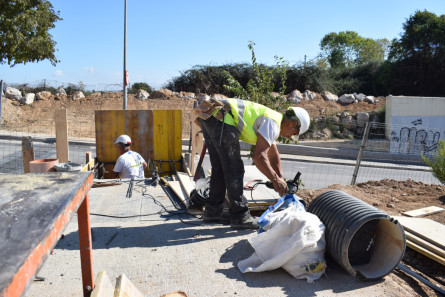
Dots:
{"x": 40, "y": 112}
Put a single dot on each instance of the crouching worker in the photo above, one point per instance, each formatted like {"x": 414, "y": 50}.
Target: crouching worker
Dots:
{"x": 224, "y": 122}
{"x": 130, "y": 163}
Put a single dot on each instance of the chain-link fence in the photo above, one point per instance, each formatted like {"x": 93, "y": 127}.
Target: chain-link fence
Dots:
{"x": 360, "y": 155}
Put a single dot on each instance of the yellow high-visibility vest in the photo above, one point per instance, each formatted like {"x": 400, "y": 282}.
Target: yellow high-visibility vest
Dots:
{"x": 248, "y": 117}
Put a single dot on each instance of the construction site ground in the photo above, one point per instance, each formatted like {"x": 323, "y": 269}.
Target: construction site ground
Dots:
{"x": 162, "y": 249}
{"x": 163, "y": 253}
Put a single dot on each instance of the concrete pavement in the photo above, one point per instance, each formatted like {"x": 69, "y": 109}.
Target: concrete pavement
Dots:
{"x": 162, "y": 249}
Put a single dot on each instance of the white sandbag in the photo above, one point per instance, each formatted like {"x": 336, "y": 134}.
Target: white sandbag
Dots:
{"x": 294, "y": 240}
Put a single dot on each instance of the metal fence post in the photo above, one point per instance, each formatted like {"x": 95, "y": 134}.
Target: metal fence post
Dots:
{"x": 360, "y": 153}
{"x": 1, "y": 98}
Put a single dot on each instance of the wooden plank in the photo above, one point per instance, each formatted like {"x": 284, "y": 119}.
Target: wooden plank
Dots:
{"x": 179, "y": 191}
{"x": 103, "y": 286}
{"x": 187, "y": 184}
{"x": 425, "y": 244}
{"x": 27, "y": 153}
{"x": 89, "y": 162}
{"x": 125, "y": 288}
{"x": 62, "y": 136}
{"x": 425, "y": 252}
{"x": 197, "y": 144}
{"x": 426, "y": 229}
{"x": 421, "y": 212}
{"x": 185, "y": 163}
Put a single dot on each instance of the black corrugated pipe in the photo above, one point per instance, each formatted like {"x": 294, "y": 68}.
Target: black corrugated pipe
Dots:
{"x": 365, "y": 241}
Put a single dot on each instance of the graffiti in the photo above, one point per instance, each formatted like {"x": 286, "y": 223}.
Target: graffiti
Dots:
{"x": 417, "y": 122}
{"x": 410, "y": 140}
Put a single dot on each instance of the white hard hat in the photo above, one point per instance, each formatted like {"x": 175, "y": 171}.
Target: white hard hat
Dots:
{"x": 124, "y": 139}
{"x": 303, "y": 118}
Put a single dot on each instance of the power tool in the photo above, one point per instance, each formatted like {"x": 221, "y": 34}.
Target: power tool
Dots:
{"x": 292, "y": 185}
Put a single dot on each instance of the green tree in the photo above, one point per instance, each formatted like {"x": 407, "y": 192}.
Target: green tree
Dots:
{"x": 347, "y": 48}
{"x": 418, "y": 56}
{"x": 424, "y": 36}
{"x": 437, "y": 163}
{"x": 24, "y": 31}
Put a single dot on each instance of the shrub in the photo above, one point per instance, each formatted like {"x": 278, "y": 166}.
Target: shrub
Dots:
{"x": 140, "y": 86}
{"x": 437, "y": 162}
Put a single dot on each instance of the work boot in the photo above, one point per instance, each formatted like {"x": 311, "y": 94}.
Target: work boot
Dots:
{"x": 244, "y": 222}
{"x": 222, "y": 216}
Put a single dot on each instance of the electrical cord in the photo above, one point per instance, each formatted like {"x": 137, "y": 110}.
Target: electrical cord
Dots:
{"x": 250, "y": 188}
{"x": 165, "y": 212}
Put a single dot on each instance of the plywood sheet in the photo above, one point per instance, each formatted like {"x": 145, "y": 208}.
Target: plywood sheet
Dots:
{"x": 102, "y": 286}
{"x": 125, "y": 288}
{"x": 425, "y": 252}
{"x": 155, "y": 134}
{"x": 167, "y": 137}
{"x": 426, "y": 229}
{"x": 186, "y": 183}
{"x": 176, "y": 187}
{"x": 421, "y": 212}
{"x": 425, "y": 244}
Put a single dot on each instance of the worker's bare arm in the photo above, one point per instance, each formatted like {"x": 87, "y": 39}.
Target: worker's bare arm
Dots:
{"x": 262, "y": 162}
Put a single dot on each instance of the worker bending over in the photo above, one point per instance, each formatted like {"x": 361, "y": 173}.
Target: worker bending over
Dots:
{"x": 224, "y": 122}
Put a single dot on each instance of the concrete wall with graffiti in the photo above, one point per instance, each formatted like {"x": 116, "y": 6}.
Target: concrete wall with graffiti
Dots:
{"x": 415, "y": 124}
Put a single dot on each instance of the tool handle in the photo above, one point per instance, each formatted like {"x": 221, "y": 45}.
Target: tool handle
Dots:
{"x": 198, "y": 166}
{"x": 269, "y": 184}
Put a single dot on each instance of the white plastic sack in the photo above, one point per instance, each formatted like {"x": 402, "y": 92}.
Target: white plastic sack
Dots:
{"x": 294, "y": 240}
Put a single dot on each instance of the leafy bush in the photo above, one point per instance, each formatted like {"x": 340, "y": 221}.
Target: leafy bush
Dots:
{"x": 437, "y": 163}
{"x": 210, "y": 79}
{"x": 259, "y": 88}
{"x": 140, "y": 86}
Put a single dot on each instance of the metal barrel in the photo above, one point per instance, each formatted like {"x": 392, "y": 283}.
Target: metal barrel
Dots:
{"x": 365, "y": 241}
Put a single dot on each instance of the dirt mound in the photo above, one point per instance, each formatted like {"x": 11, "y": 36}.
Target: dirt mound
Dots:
{"x": 391, "y": 196}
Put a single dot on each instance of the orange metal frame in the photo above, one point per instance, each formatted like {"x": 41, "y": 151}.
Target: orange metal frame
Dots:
{"x": 26, "y": 273}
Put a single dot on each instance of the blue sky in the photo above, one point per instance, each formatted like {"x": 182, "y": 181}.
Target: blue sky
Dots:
{"x": 167, "y": 37}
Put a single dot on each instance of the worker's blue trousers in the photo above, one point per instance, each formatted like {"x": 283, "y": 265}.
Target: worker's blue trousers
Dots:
{"x": 227, "y": 167}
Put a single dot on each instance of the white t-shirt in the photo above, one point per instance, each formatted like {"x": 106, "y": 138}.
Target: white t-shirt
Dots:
{"x": 130, "y": 165}
{"x": 270, "y": 130}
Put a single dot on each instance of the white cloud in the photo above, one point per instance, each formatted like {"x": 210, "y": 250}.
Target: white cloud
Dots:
{"x": 58, "y": 73}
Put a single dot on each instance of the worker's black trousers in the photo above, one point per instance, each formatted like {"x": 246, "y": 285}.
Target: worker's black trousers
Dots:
{"x": 227, "y": 167}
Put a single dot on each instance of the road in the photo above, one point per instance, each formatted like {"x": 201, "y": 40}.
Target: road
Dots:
{"x": 316, "y": 172}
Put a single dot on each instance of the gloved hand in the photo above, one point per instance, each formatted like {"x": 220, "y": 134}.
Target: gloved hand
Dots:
{"x": 280, "y": 186}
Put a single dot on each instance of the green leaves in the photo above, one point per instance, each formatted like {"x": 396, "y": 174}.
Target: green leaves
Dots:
{"x": 437, "y": 163}
{"x": 424, "y": 36}
{"x": 260, "y": 87}
{"x": 24, "y": 36}
{"x": 347, "y": 48}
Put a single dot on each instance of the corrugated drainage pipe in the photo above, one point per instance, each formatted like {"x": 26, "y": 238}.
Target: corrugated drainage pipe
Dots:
{"x": 365, "y": 241}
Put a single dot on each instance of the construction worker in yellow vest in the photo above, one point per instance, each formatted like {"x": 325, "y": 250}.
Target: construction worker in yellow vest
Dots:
{"x": 224, "y": 122}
